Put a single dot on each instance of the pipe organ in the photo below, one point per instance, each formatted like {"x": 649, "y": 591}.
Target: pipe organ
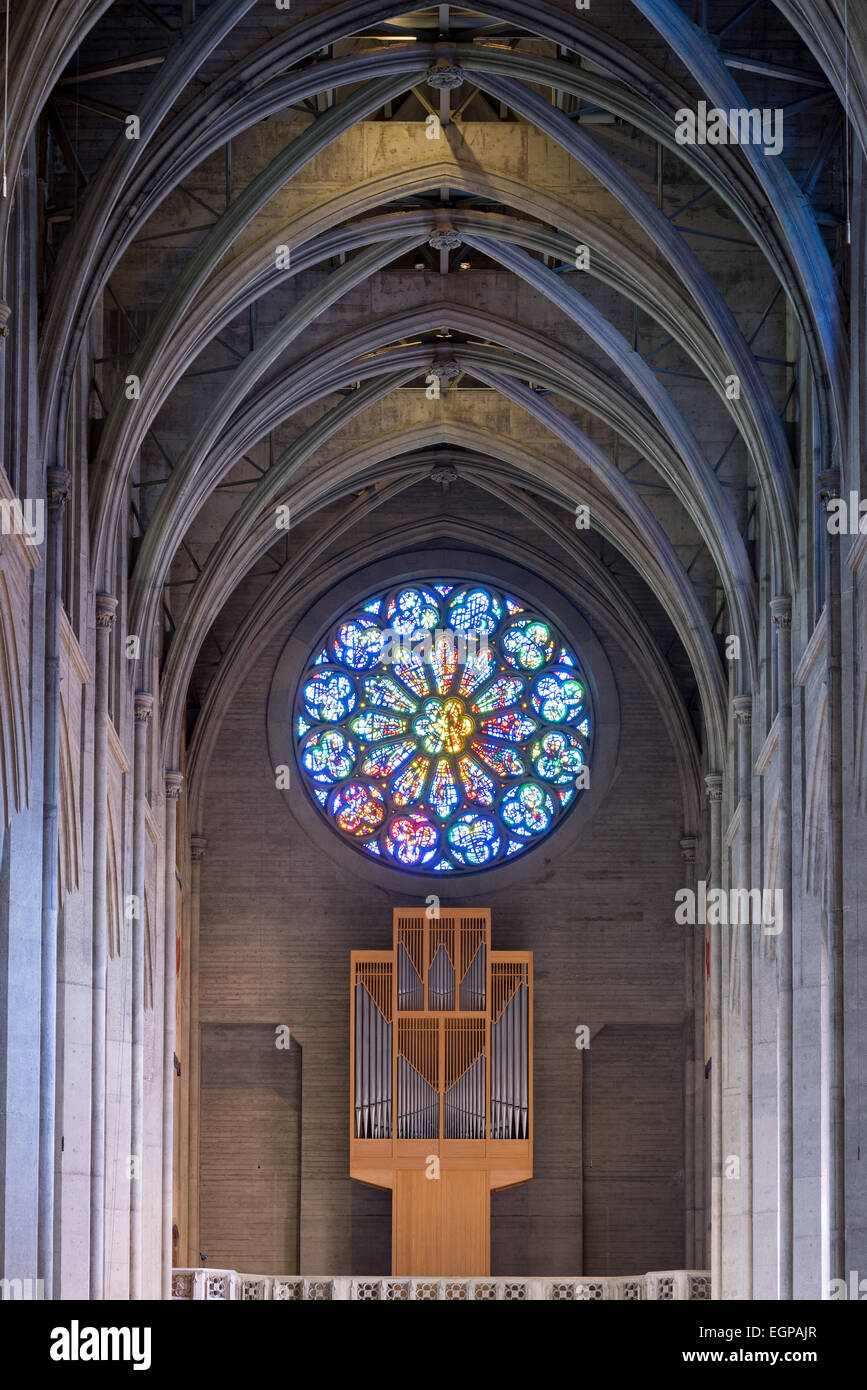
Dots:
{"x": 441, "y": 1043}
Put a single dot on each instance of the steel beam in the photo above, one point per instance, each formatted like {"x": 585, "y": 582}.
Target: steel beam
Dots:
{"x": 133, "y": 63}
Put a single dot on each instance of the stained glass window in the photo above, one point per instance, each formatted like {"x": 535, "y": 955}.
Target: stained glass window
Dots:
{"x": 444, "y": 727}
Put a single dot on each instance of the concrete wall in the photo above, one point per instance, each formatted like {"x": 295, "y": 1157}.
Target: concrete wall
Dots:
{"x": 250, "y": 1138}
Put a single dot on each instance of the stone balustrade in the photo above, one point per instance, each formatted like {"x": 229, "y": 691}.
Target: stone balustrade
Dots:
{"x": 220, "y": 1285}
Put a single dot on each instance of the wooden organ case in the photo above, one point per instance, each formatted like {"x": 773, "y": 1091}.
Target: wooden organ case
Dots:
{"x": 441, "y": 1080}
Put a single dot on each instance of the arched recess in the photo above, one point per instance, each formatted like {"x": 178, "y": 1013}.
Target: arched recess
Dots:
{"x": 14, "y": 727}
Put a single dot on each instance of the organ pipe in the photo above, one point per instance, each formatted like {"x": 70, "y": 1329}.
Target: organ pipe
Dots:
{"x": 459, "y": 1057}
{"x": 373, "y": 1052}
{"x": 510, "y": 1067}
{"x": 441, "y": 982}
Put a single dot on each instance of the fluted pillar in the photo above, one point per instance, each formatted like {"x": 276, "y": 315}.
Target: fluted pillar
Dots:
{"x": 173, "y": 791}
{"x": 143, "y": 706}
{"x": 57, "y": 488}
{"x": 105, "y": 613}
{"x": 781, "y": 613}
{"x": 831, "y": 1025}
{"x": 701, "y": 1151}
{"x": 690, "y": 1076}
{"x": 198, "y": 844}
{"x": 713, "y": 782}
{"x": 743, "y": 708}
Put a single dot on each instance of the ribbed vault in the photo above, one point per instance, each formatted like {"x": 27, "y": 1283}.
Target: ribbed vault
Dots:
{"x": 324, "y": 391}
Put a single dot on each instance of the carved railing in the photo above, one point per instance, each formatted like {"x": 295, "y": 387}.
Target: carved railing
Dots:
{"x": 221, "y": 1285}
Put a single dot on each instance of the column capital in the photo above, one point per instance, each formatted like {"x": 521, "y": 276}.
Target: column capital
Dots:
{"x": 828, "y": 485}
{"x": 143, "y": 704}
{"x": 687, "y": 848}
{"x": 57, "y": 485}
{"x": 713, "y": 782}
{"x": 106, "y": 606}
{"x": 174, "y": 782}
{"x": 781, "y": 612}
{"x": 743, "y": 707}
{"x": 197, "y": 846}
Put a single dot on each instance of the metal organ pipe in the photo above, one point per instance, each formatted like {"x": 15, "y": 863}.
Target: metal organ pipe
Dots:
{"x": 473, "y": 983}
{"x": 377, "y": 1119}
{"x": 510, "y": 1063}
{"x": 372, "y": 1068}
{"x": 442, "y": 1005}
{"x": 524, "y": 1061}
{"x": 410, "y": 990}
{"x": 441, "y": 981}
{"x": 359, "y": 1052}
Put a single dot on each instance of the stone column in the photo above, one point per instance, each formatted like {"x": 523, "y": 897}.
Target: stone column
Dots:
{"x": 198, "y": 844}
{"x": 5, "y": 313}
{"x": 105, "y": 612}
{"x": 743, "y": 707}
{"x": 713, "y": 782}
{"x": 57, "y": 488}
{"x": 700, "y": 1125}
{"x": 173, "y": 791}
{"x": 690, "y": 1075}
{"x": 181, "y": 1199}
{"x": 143, "y": 706}
{"x": 831, "y": 1028}
{"x": 781, "y": 613}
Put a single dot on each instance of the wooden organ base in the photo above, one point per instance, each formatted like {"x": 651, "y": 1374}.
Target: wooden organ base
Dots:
{"x": 441, "y": 1186}
{"x": 440, "y": 1226}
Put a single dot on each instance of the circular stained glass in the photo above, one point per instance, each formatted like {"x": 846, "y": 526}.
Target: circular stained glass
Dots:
{"x": 444, "y": 727}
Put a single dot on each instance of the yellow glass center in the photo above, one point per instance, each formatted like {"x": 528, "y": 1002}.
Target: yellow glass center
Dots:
{"x": 444, "y": 725}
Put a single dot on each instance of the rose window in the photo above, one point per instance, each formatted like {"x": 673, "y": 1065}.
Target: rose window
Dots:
{"x": 444, "y": 727}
